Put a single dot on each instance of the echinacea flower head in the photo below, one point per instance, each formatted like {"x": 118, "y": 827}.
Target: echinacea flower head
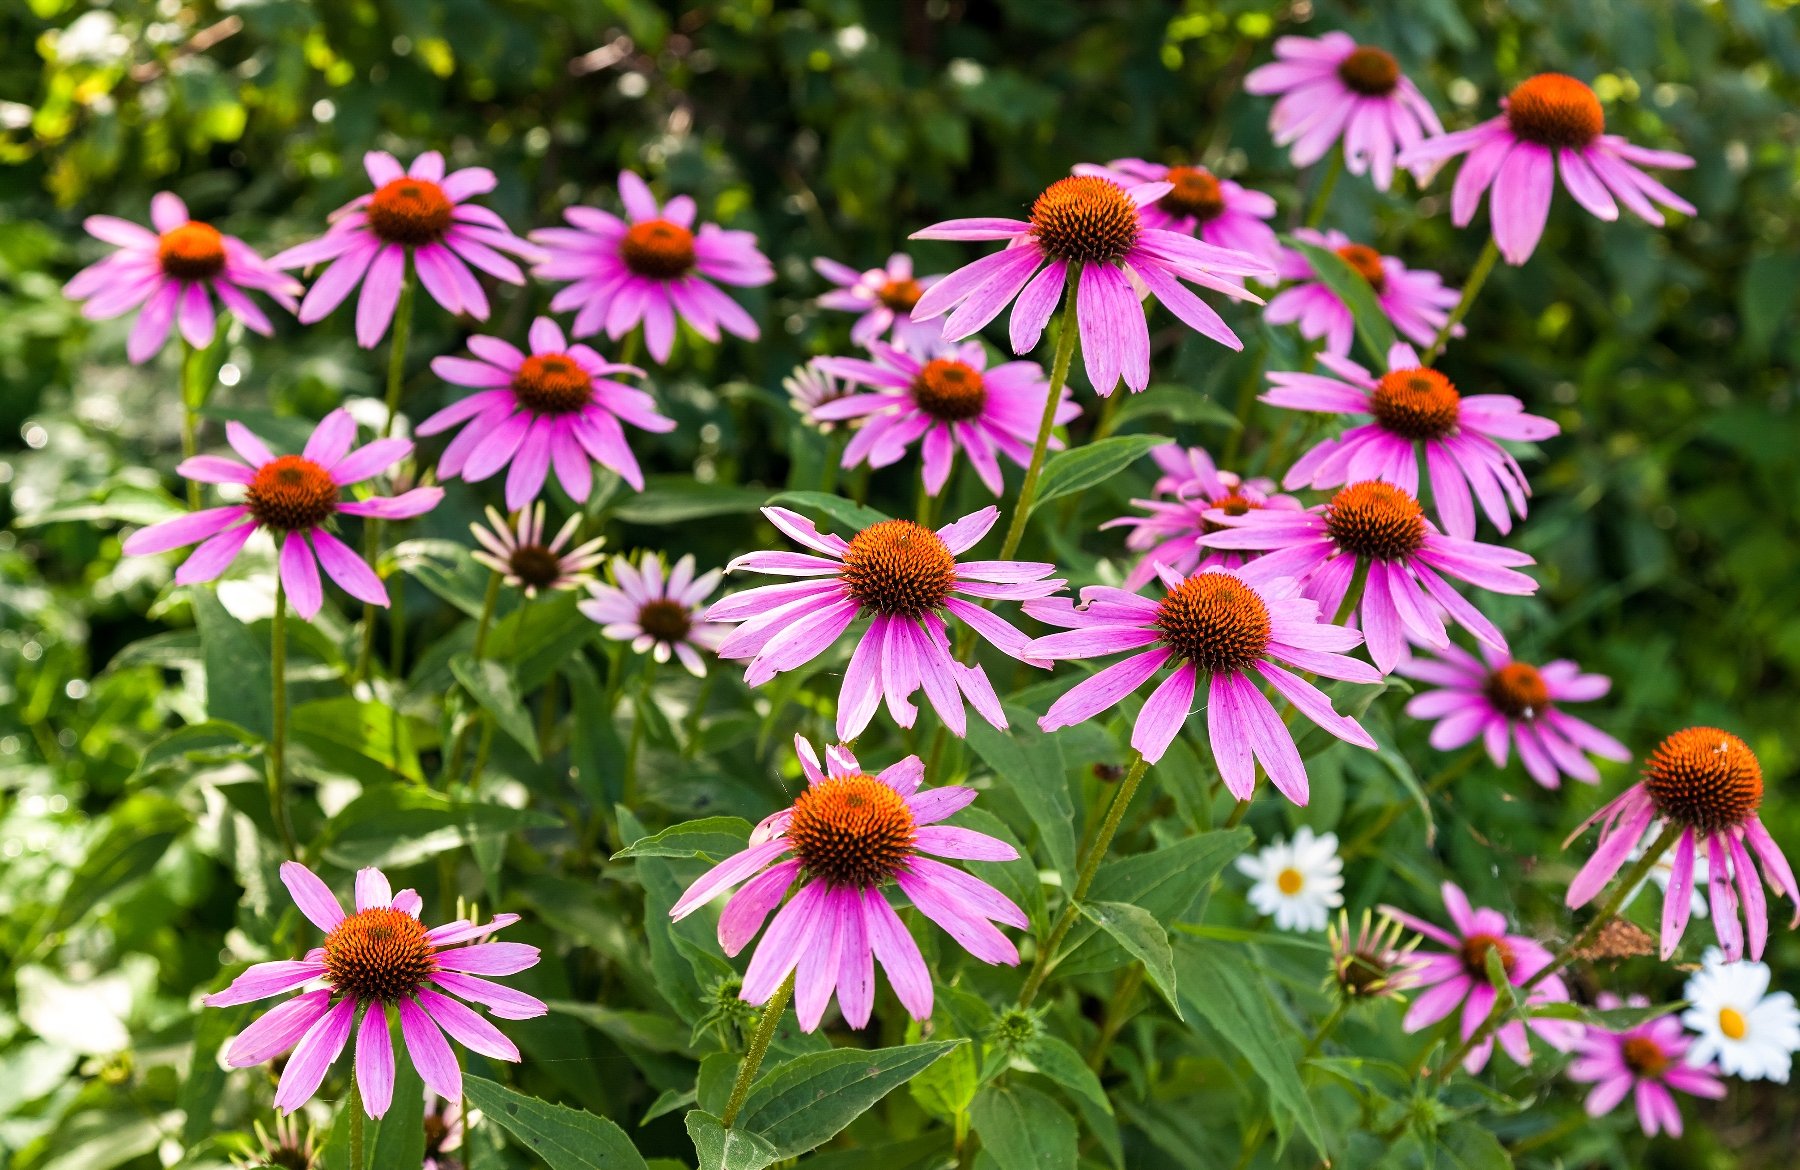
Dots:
{"x": 377, "y": 958}
{"x": 297, "y": 499}
{"x": 1643, "y": 1062}
{"x": 417, "y": 215}
{"x": 809, "y": 387}
{"x": 174, "y": 273}
{"x": 1415, "y": 301}
{"x": 1298, "y": 882}
{"x": 1169, "y": 534}
{"x": 651, "y": 267}
{"x": 1333, "y": 88}
{"x": 658, "y": 611}
{"x": 1415, "y": 412}
{"x": 946, "y": 400}
{"x": 1503, "y": 701}
{"x": 1199, "y": 203}
{"x": 528, "y": 562}
{"x": 1374, "y": 963}
{"x": 1225, "y": 635}
{"x": 1750, "y": 1031}
{"x": 1092, "y": 229}
{"x": 847, "y": 838}
{"x": 883, "y": 298}
{"x": 1549, "y": 123}
{"x": 1404, "y": 597}
{"x": 907, "y": 580}
{"x": 555, "y": 408}
{"x": 1707, "y": 784}
{"x": 1458, "y": 977}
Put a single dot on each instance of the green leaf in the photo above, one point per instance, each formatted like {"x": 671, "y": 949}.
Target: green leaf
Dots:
{"x": 946, "y": 1088}
{"x": 444, "y": 567}
{"x": 398, "y": 1140}
{"x": 852, "y": 515}
{"x": 1163, "y": 882}
{"x": 1057, "y": 1059}
{"x": 566, "y": 1139}
{"x": 727, "y": 1149}
{"x": 806, "y": 1101}
{"x": 354, "y": 738}
{"x": 139, "y": 830}
{"x": 1225, "y": 990}
{"x": 493, "y": 686}
{"x": 1023, "y": 1129}
{"x": 238, "y": 677}
{"x": 1094, "y": 463}
{"x": 1139, "y": 932}
{"x": 1033, "y": 766}
{"x": 709, "y": 837}
{"x": 394, "y": 826}
{"x": 1469, "y": 1145}
{"x": 676, "y": 499}
{"x": 1178, "y": 404}
{"x": 212, "y": 742}
{"x": 206, "y": 1077}
{"x": 1372, "y": 324}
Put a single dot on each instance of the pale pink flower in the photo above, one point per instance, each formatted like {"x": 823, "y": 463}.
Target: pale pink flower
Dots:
{"x": 1169, "y": 536}
{"x": 883, "y": 298}
{"x": 1643, "y": 1062}
{"x": 658, "y": 612}
{"x": 1416, "y": 302}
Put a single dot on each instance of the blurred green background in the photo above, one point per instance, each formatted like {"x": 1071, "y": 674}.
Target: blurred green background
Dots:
{"x": 1666, "y": 518}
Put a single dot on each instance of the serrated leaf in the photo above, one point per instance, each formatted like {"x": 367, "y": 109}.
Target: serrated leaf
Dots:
{"x": 1163, "y": 882}
{"x": 1032, "y": 764}
{"x": 1138, "y": 931}
{"x": 566, "y": 1139}
{"x": 1349, "y": 286}
{"x": 494, "y": 687}
{"x": 1023, "y": 1129}
{"x": 1057, "y": 1059}
{"x": 1093, "y": 463}
{"x": 806, "y": 1101}
{"x": 852, "y": 515}
{"x": 727, "y": 1149}
{"x": 710, "y": 837}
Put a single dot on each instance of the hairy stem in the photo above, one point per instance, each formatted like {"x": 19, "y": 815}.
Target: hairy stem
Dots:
{"x": 759, "y": 1047}
{"x": 193, "y": 397}
{"x": 372, "y": 526}
{"x": 1059, "y": 377}
{"x": 1321, "y": 200}
{"x": 279, "y": 712}
{"x": 1483, "y": 266}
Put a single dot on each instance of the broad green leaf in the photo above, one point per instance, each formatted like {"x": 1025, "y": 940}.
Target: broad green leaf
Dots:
{"x": 138, "y": 831}
{"x": 946, "y": 1088}
{"x": 1083, "y": 467}
{"x": 355, "y": 738}
{"x": 1139, "y": 932}
{"x": 444, "y": 567}
{"x": 709, "y": 837}
{"x": 494, "y": 687}
{"x": 1164, "y": 882}
{"x": 1350, "y": 287}
{"x": 1221, "y": 986}
{"x": 206, "y": 1078}
{"x": 676, "y": 499}
{"x": 566, "y": 1139}
{"x": 643, "y": 1030}
{"x": 238, "y": 678}
{"x": 397, "y": 1141}
{"x": 676, "y": 978}
{"x": 1178, "y": 404}
{"x": 727, "y": 1149}
{"x": 1057, "y": 1059}
{"x": 400, "y": 826}
{"x": 854, "y": 517}
{"x": 806, "y": 1101}
{"x": 1032, "y": 764}
{"x": 1023, "y": 1129}
{"x": 1469, "y": 1145}
{"x": 212, "y": 742}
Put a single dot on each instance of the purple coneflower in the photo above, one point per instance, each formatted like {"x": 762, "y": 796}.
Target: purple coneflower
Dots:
{"x": 1643, "y": 1062}
{"x": 906, "y": 578}
{"x": 525, "y": 560}
{"x": 1170, "y": 535}
{"x": 1092, "y": 226}
{"x": 295, "y": 497}
{"x": 1415, "y": 301}
{"x": 1550, "y": 122}
{"x": 658, "y": 613}
{"x": 379, "y": 957}
{"x": 1415, "y": 410}
{"x": 174, "y": 272}
{"x": 650, "y": 270}
{"x": 1505, "y": 701}
{"x": 1708, "y": 784}
{"x": 884, "y": 298}
{"x": 1458, "y": 976}
{"x": 810, "y": 388}
{"x": 849, "y": 835}
{"x": 1215, "y": 628}
{"x": 1378, "y": 524}
{"x": 1199, "y": 203}
{"x": 421, "y": 215}
{"x": 554, "y": 408}
{"x": 945, "y": 400}
{"x": 1334, "y": 88}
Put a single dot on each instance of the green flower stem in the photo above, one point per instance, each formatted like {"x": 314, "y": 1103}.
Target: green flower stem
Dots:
{"x": 279, "y": 711}
{"x": 635, "y": 744}
{"x": 926, "y": 506}
{"x": 834, "y": 454}
{"x": 1090, "y": 866}
{"x": 1253, "y": 1138}
{"x": 697, "y": 714}
{"x": 1117, "y": 1007}
{"x": 1358, "y": 581}
{"x": 354, "y": 1104}
{"x": 1059, "y": 377}
{"x": 193, "y": 397}
{"x": 1367, "y": 839}
{"x": 1484, "y": 265}
{"x": 1622, "y": 889}
{"x": 1246, "y": 402}
{"x": 372, "y": 526}
{"x": 1315, "y": 214}
{"x": 453, "y": 760}
{"x": 759, "y": 1048}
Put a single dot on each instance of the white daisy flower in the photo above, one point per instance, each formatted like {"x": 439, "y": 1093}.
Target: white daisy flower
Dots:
{"x": 1751, "y": 1033}
{"x": 1299, "y": 882}
{"x": 658, "y": 614}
